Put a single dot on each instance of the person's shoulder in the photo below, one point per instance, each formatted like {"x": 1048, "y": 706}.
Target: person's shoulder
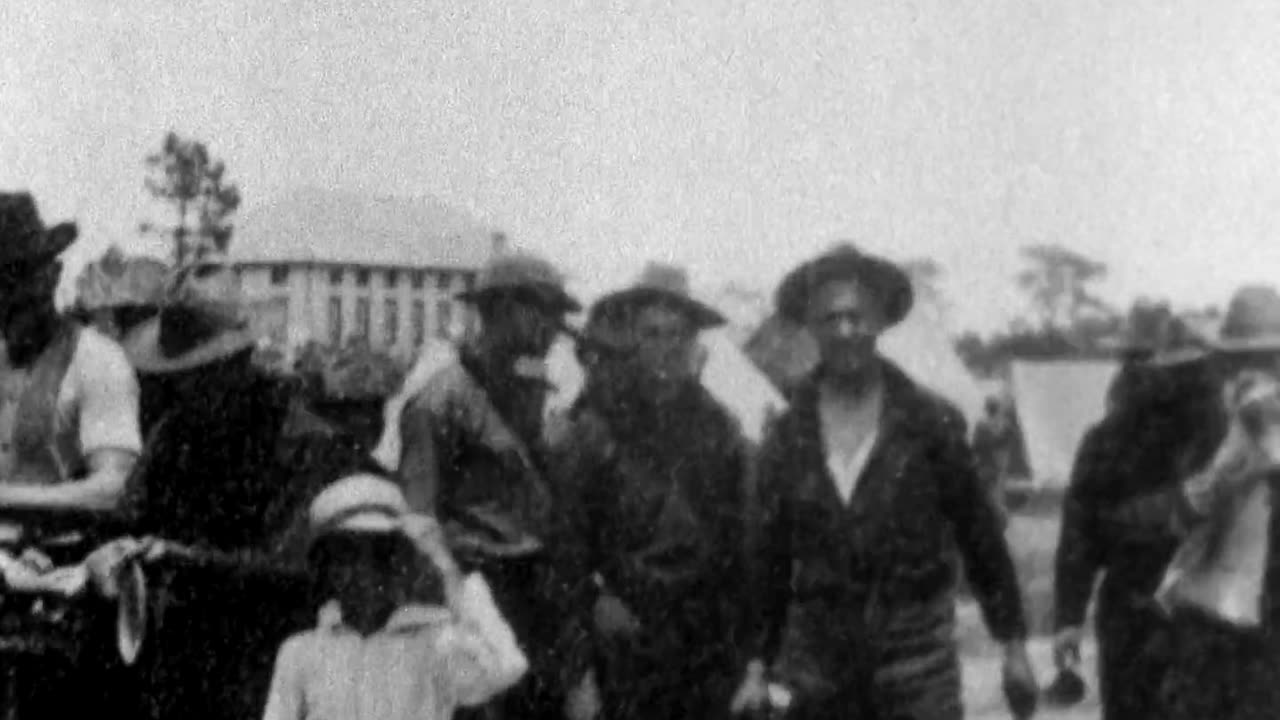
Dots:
{"x": 98, "y": 356}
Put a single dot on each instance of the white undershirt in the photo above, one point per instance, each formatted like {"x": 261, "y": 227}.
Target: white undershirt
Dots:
{"x": 849, "y": 433}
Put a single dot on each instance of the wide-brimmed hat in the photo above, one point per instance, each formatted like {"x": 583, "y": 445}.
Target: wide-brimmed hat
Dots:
{"x": 1153, "y": 333}
{"x": 1252, "y": 322}
{"x": 883, "y": 278}
{"x": 363, "y": 502}
{"x": 24, "y": 239}
{"x": 523, "y": 276}
{"x": 658, "y": 284}
{"x": 202, "y": 320}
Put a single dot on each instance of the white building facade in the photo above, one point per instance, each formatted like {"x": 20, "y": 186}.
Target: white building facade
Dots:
{"x": 330, "y": 267}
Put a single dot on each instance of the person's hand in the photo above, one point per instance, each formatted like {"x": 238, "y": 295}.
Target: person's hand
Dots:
{"x": 752, "y": 695}
{"x": 1066, "y": 648}
{"x": 104, "y": 564}
{"x": 613, "y": 618}
{"x": 583, "y": 699}
{"x": 1021, "y": 690}
{"x": 429, "y": 538}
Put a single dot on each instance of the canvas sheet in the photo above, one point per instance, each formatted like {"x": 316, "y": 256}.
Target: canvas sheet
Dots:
{"x": 1057, "y": 402}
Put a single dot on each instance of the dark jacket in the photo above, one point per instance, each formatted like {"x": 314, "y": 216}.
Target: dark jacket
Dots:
{"x": 473, "y": 454}
{"x": 652, "y": 500}
{"x": 917, "y": 506}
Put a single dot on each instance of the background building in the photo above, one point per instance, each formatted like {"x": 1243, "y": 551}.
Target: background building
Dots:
{"x": 330, "y": 266}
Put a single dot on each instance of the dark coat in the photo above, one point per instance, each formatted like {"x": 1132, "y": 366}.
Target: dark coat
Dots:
{"x": 235, "y": 474}
{"x": 652, "y": 500}
{"x": 873, "y": 582}
{"x": 1146, "y": 444}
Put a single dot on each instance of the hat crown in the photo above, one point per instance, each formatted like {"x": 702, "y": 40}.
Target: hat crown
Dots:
{"x": 1254, "y": 314}
{"x": 363, "y": 493}
{"x": 664, "y": 277}
{"x": 517, "y": 270}
{"x": 23, "y": 234}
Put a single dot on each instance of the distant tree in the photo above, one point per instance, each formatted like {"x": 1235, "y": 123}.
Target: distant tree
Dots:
{"x": 925, "y": 274}
{"x": 184, "y": 175}
{"x": 1058, "y": 283}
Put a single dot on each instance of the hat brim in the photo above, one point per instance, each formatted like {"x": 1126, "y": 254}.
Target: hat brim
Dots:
{"x": 886, "y": 280}
{"x": 142, "y": 347}
{"x": 547, "y": 297}
{"x": 1232, "y": 346}
{"x": 54, "y": 242}
{"x": 700, "y": 314}
{"x": 371, "y": 522}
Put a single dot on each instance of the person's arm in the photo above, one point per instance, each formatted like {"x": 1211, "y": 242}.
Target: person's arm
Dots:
{"x": 979, "y": 534}
{"x": 768, "y": 543}
{"x": 285, "y": 700}
{"x": 481, "y": 655}
{"x": 419, "y": 473}
{"x": 105, "y": 390}
{"x": 1079, "y": 555}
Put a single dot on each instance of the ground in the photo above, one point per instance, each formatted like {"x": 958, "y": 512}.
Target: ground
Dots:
{"x": 1033, "y": 537}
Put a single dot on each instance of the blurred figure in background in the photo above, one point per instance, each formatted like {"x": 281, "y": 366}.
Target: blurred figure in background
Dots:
{"x": 994, "y": 443}
{"x": 1149, "y": 438}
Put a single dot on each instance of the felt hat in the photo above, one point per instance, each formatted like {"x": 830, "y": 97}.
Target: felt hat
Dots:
{"x": 1252, "y": 322}
{"x": 658, "y": 284}
{"x": 24, "y": 239}
{"x": 1158, "y": 337}
{"x": 524, "y": 276}
{"x": 202, "y": 320}
{"x": 888, "y": 282}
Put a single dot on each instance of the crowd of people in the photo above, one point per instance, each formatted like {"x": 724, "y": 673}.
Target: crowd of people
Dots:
{"x": 634, "y": 557}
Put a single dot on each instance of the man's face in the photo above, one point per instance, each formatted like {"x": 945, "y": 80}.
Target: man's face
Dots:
{"x": 525, "y": 328}
{"x": 666, "y": 343}
{"x": 846, "y": 320}
{"x": 26, "y": 294}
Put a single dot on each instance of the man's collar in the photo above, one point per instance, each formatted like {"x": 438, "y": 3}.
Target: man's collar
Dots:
{"x": 406, "y": 618}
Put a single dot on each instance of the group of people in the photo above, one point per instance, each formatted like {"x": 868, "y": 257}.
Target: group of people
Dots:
{"x": 1169, "y": 508}
{"x": 635, "y": 556}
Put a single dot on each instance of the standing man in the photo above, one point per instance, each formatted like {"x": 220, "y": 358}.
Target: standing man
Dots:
{"x": 869, "y": 496}
{"x": 68, "y": 440}
{"x": 652, "y": 472}
{"x": 473, "y": 456}
{"x": 1147, "y": 441}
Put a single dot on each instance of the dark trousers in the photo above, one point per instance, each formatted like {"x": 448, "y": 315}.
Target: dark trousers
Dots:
{"x": 1135, "y": 647}
{"x": 1222, "y": 672}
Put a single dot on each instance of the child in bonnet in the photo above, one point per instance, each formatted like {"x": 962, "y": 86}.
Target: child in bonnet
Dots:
{"x": 375, "y": 653}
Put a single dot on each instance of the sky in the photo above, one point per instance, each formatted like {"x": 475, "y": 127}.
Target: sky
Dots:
{"x": 737, "y": 137}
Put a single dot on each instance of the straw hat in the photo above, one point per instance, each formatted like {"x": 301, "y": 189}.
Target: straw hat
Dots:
{"x": 883, "y": 278}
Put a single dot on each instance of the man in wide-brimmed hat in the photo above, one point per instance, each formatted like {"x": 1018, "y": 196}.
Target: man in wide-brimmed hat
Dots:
{"x": 69, "y": 409}
{"x": 652, "y": 476}
{"x": 472, "y": 453}
{"x": 69, "y": 438}
{"x": 867, "y": 489}
{"x": 1222, "y": 588}
{"x": 1145, "y": 443}
{"x": 233, "y": 459}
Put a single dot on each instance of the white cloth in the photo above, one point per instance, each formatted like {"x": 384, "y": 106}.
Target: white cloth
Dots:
{"x": 96, "y": 407}
{"x": 849, "y": 437}
{"x": 427, "y": 662}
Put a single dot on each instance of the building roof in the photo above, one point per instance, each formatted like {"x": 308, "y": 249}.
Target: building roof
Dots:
{"x": 335, "y": 226}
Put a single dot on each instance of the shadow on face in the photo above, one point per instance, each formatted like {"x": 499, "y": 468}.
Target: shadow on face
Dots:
{"x": 666, "y": 343}
{"x": 519, "y": 326}
{"x": 846, "y": 319}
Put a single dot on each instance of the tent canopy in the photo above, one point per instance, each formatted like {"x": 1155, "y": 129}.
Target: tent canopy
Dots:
{"x": 1057, "y": 402}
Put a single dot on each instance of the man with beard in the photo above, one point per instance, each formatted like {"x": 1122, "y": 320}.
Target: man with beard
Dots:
{"x": 230, "y": 467}
{"x": 69, "y": 438}
{"x": 473, "y": 456}
{"x": 652, "y": 471}
{"x": 869, "y": 495}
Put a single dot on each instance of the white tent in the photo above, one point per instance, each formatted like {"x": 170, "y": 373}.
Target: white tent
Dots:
{"x": 922, "y": 346}
{"x": 1057, "y": 401}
